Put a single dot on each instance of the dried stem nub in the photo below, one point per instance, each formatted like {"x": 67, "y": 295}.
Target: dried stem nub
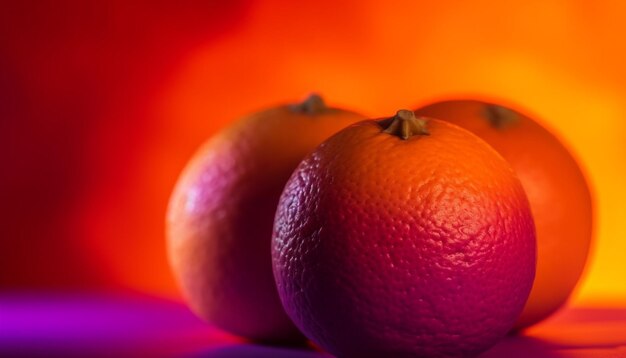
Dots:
{"x": 313, "y": 104}
{"x": 499, "y": 116}
{"x": 405, "y": 125}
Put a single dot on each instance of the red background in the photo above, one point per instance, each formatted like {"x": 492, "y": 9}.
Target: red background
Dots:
{"x": 76, "y": 81}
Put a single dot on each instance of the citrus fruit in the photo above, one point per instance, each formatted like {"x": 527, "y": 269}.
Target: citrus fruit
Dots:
{"x": 559, "y": 197}
{"x": 404, "y": 237}
{"x": 221, "y": 214}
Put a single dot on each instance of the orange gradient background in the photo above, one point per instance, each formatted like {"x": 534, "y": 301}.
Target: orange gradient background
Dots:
{"x": 102, "y": 105}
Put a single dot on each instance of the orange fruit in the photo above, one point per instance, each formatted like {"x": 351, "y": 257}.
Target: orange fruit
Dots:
{"x": 221, "y": 214}
{"x": 556, "y": 188}
{"x": 404, "y": 237}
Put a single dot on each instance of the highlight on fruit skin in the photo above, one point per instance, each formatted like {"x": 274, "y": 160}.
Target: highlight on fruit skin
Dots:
{"x": 404, "y": 237}
{"x": 559, "y": 195}
{"x": 221, "y": 212}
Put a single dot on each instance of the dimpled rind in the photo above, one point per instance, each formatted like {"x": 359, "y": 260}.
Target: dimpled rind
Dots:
{"x": 390, "y": 247}
{"x": 559, "y": 195}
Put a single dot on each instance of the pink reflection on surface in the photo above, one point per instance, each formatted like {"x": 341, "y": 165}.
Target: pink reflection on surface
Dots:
{"x": 114, "y": 325}
{"x": 101, "y": 325}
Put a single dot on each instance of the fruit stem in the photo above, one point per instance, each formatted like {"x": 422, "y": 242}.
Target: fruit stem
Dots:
{"x": 405, "y": 125}
{"x": 500, "y": 117}
{"x": 313, "y": 104}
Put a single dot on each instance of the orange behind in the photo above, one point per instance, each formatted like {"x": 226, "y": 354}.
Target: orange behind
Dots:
{"x": 222, "y": 210}
{"x": 556, "y": 188}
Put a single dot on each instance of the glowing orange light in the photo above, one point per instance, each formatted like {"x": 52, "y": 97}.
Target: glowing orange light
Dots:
{"x": 561, "y": 60}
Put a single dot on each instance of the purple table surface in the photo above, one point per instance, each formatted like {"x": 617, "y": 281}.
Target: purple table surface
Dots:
{"x": 97, "y": 325}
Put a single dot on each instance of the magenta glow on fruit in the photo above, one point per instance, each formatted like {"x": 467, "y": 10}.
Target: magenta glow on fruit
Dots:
{"x": 404, "y": 238}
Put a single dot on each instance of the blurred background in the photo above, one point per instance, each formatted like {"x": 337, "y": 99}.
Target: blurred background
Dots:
{"x": 102, "y": 103}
